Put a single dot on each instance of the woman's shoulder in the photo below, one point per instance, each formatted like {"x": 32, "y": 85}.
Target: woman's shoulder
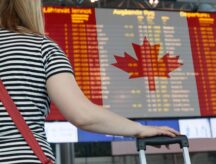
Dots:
{"x": 49, "y": 42}
{"x": 20, "y": 34}
{"x": 8, "y": 34}
{"x": 42, "y": 41}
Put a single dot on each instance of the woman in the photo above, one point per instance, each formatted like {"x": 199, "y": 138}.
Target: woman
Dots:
{"x": 33, "y": 69}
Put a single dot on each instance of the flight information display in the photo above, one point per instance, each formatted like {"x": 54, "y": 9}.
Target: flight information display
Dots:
{"x": 140, "y": 63}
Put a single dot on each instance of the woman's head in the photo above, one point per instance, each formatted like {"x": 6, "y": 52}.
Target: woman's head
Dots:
{"x": 22, "y": 16}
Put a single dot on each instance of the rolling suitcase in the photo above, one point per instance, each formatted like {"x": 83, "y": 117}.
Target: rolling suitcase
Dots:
{"x": 163, "y": 140}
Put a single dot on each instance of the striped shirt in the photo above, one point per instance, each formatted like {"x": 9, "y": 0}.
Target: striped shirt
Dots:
{"x": 26, "y": 62}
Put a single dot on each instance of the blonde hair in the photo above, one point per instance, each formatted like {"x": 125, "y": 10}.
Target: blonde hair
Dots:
{"x": 24, "y": 16}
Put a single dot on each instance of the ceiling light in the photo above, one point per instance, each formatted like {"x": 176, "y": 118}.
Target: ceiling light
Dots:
{"x": 154, "y": 3}
{"x": 93, "y": 1}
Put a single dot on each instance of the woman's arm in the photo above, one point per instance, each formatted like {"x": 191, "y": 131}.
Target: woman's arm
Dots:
{"x": 76, "y": 108}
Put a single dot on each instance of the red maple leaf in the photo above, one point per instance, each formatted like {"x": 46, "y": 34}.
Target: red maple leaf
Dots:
{"x": 147, "y": 63}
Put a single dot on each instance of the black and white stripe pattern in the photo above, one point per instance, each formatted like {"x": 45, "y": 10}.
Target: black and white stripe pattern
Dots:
{"x": 26, "y": 62}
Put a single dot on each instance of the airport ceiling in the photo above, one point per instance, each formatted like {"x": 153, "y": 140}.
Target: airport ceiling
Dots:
{"x": 185, "y": 5}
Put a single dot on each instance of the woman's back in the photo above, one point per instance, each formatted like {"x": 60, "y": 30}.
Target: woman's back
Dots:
{"x": 26, "y": 62}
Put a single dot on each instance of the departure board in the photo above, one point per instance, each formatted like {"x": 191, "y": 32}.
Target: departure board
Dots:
{"x": 140, "y": 63}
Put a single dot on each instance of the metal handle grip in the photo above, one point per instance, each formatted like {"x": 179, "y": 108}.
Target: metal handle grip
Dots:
{"x": 162, "y": 140}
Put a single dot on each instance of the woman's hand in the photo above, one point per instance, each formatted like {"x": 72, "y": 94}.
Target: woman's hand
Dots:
{"x": 149, "y": 131}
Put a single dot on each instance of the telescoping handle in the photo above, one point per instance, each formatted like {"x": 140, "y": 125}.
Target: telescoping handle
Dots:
{"x": 162, "y": 140}
{"x": 182, "y": 140}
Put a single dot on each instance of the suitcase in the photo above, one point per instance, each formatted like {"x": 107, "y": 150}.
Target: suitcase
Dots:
{"x": 163, "y": 140}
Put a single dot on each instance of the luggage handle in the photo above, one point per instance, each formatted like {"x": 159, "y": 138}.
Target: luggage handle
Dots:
{"x": 161, "y": 140}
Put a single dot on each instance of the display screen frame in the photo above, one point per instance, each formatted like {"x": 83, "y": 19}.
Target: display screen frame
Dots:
{"x": 91, "y": 15}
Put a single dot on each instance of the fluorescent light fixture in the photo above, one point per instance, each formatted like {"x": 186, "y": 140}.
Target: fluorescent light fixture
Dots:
{"x": 195, "y": 128}
{"x": 61, "y": 132}
{"x": 92, "y": 1}
{"x": 213, "y": 127}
